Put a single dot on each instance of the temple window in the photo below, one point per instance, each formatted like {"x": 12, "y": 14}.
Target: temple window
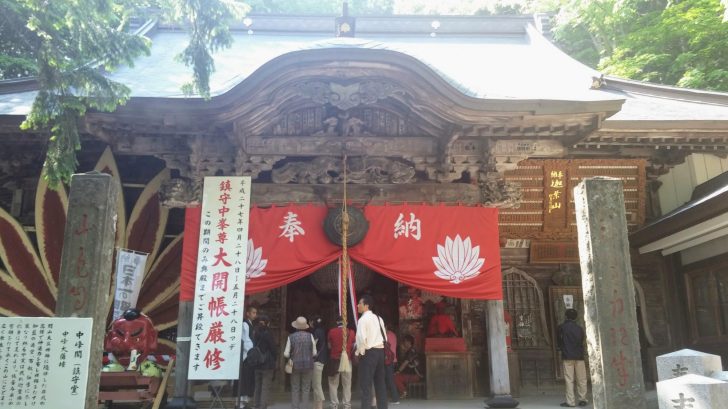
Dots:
{"x": 523, "y": 301}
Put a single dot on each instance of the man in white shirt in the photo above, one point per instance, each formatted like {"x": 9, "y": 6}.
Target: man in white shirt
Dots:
{"x": 370, "y": 340}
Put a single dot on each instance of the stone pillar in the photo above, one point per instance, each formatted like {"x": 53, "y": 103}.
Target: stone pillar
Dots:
{"x": 86, "y": 262}
{"x": 182, "y": 390}
{"x": 500, "y": 385}
{"x": 609, "y": 298}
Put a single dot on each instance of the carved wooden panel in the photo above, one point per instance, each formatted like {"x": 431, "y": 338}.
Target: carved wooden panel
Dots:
{"x": 325, "y": 120}
{"x": 547, "y": 206}
{"x": 554, "y": 252}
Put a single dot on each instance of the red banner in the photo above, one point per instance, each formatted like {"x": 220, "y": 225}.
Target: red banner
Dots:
{"x": 450, "y": 250}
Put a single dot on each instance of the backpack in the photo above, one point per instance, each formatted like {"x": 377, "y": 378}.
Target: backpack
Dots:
{"x": 255, "y": 357}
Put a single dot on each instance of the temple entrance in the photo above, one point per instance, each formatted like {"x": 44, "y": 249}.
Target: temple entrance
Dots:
{"x": 317, "y": 295}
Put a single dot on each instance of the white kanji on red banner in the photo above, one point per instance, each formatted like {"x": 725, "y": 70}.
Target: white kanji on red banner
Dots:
{"x": 291, "y": 227}
{"x": 408, "y": 228}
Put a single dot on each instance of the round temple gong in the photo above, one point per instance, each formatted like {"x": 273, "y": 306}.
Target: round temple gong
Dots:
{"x": 358, "y": 225}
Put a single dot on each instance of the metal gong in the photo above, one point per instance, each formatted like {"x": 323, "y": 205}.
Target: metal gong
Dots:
{"x": 358, "y": 225}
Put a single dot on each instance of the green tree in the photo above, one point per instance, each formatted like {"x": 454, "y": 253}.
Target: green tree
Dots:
{"x": 63, "y": 43}
{"x": 684, "y": 44}
{"x": 69, "y": 44}
{"x": 670, "y": 42}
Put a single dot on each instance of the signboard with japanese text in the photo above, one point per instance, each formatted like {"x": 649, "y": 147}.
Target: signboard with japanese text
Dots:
{"x": 44, "y": 362}
{"x": 220, "y": 279}
{"x": 129, "y": 275}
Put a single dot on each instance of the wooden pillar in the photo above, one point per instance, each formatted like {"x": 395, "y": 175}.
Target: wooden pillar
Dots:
{"x": 609, "y": 299}
{"x": 500, "y": 385}
{"x": 182, "y": 386}
{"x": 86, "y": 262}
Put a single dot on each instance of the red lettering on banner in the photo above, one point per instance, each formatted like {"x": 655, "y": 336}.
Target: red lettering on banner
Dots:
{"x": 220, "y": 258}
{"x": 213, "y": 359}
{"x": 225, "y": 186}
{"x": 224, "y": 198}
{"x": 216, "y": 306}
{"x": 215, "y": 333}
{"x": 223, "y": 211}
{"x": 221, "y": 237}
{"x": 220, "y": 281}
{"x": 222, "y": 224}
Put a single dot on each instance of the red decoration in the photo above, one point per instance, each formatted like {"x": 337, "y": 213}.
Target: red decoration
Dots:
{"x": 128, "y": 334}
{"x": 450, "y": 250}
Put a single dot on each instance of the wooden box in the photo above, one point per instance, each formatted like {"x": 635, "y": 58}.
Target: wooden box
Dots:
{"x": 449, "y": 375}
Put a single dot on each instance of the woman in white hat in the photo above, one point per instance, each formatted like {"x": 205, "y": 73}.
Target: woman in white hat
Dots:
{"x": 301, "y": 349}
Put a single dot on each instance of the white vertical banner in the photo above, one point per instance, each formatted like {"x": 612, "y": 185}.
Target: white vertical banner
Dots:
{"x": 129, "y": 276}
{"x": 220, "y": 285}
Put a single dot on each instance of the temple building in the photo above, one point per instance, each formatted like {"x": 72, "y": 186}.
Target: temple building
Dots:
{"x": 447, "y": 110}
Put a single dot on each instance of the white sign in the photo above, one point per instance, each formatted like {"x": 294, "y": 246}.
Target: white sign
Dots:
{"x": 44, "y": 362}
{"x": 568, "y": 301}
{"x": 220, "y": 286}
{"x": 129, "y": 275}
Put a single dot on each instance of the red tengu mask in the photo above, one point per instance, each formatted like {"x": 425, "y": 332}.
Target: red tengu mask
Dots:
{"x": 131, "y": 331}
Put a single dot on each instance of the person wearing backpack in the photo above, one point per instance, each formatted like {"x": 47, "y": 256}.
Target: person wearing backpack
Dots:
{"x": 265, "y": 347}
{"x": 301, "y": 349}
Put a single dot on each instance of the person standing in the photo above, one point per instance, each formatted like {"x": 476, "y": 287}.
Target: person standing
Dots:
{"x": 370, "y": 340}
{"x": 264, "y": 372}
{"x": 392, "y": 340}
{"x": 319, "y": 336}
{"x": 571, "y": 344}
{"x": 301, "y": 349}
{"x": 336, "y": 371}
{"x": 246, "y": 384}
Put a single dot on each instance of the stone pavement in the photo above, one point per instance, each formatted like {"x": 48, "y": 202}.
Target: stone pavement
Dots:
{"x": 549, "y": 401}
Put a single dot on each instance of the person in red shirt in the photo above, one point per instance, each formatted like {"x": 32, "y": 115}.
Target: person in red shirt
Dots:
{"x": 441, "y": 324}
{"x": 336, "y": 348}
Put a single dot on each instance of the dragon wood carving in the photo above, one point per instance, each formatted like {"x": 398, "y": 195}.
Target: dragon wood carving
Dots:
{"x": 327, "y": 170}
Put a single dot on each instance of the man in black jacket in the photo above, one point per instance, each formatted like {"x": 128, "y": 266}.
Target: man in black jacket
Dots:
{"x": 571, "y": 345}
{"x": 264, "y": 373}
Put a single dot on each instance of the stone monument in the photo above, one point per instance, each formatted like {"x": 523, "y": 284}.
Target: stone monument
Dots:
{"x": 86, "y": 262}
{"x": 609, "y": 298}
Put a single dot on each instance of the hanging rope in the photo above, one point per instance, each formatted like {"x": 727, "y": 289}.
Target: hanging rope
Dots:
{"x": 345, "y": 262}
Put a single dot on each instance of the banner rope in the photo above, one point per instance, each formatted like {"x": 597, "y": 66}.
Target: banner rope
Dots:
{"x": 345, "y": 261}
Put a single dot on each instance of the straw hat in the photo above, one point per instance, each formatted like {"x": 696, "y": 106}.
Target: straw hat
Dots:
{"x": 300, "y": 323}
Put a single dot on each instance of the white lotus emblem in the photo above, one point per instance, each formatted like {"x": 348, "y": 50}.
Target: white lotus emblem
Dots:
{"x": 457, "y": 261}
{"x": 256, "y": 263}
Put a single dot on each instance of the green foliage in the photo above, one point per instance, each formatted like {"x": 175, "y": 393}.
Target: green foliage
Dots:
{"x": 208, "y": 22}
{"x": 670, "y": 42}
{"x": 64, "y": 41}
{"x": 683, "y": 44}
